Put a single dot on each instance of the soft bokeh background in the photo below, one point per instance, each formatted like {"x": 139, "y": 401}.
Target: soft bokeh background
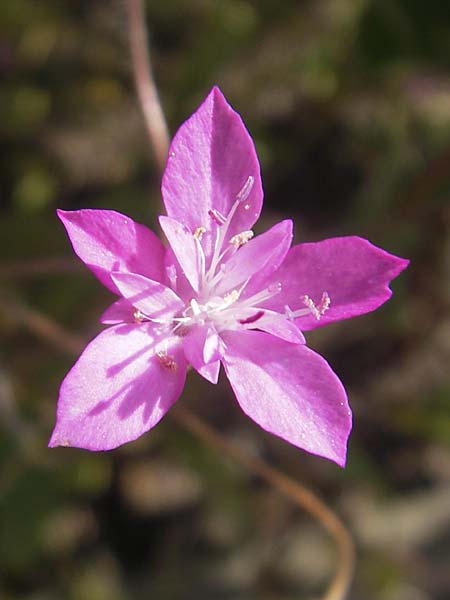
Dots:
{"x": 349, "y": 105}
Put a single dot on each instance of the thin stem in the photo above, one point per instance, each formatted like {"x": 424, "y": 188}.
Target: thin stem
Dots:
{"x": 145, "y": 83}
{"x": 49, "y": 330}
{"x": 41, "y": 325}
{"x": 29, "y": 268}
{"x": 287, "y": 486}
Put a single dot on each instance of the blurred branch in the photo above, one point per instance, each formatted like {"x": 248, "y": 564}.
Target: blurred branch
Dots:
{"x": 40, "y": 266}
{"x": 49, "y": 330}
{"x": 145, "y": 84}
{"x": 287, "y": 486}
{"x": 41, "y": 325}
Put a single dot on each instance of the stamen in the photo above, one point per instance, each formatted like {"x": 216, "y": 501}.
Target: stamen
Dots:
{"x": 275, "y": 288}
{"x": 231, "y": 298}
{"x": 246, "y": 189}
{"x": 269, "y": 292}
{"x": 240, "y": 239}
{"x": 171, "y": 271}
{"x": 201, "y": 259}
{"x": 252, "y": 319}
{"x": 196, "y": 310}
{"x": 224, "y": 222}
{"x": 288, "y": 312}
{"x": 216, "y": 216}
{"x": 198, "y": 233}
{"x": 319, "y": 310}
{"x": 138, "y": 316}
{"x": 168, "y": 362}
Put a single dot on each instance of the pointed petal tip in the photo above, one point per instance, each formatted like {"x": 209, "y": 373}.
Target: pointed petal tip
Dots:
{"x": 55, "y": 440}
{"x": 216, "y": 94}
{"x": 340, "y": 460}
{"x": 61, "y": 214}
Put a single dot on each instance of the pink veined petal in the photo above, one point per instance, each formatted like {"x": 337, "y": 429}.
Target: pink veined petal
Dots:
{"x": 290, "y": 391}
{"x": 119, "y": 388}
{"x": 353, "y": 272}
{"x": 120, "y": 311}
{"x": 106, "y": 241}
{"x": 153, "y": 299}
{"x": 185, "y": 248}
{"x": 210, "y": 159}
{"x": 262, "y": 254}
{"x": 202, "y": 346}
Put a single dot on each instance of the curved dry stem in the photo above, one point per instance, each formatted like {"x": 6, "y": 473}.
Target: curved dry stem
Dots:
{"x": 145, "y": 84}
{"x": 38, "y": 267}
{"x": 39, "y": 324}
{"x": 287, "y": 486}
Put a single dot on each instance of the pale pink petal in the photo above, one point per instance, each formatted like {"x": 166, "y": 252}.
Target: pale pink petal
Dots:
{"x": 275, "y": 324}
{"x": 106, "y": 241}
{"x": 210, "y": 160}
{"x": 185, "y": 248}
{"x": 120, "y": 311}
{"x": 153, "y": 299}
{"x": 202, "y": 346}
{"x": 290, "y": 391}
{"x": 119, "y": 388}
{"x": 210, "y": 372}
{"x": 262, "y": 254}
{"x": 176, "y": 277}
{"x": 353, "y": 272}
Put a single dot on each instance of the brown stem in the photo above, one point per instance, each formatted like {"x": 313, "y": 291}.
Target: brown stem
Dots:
{"x": 145, "y": 83}
{"x": 40, "y": 266}
{"x": 47, "y": 329}
{"x": 287, "y": 486}
{"x": 41, "y": 325}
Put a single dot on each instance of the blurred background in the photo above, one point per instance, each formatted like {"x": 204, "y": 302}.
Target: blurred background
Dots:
{"x": 348, "y": 102}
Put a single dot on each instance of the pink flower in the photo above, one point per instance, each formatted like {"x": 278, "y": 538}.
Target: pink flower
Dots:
{"x": 216, "y": 294}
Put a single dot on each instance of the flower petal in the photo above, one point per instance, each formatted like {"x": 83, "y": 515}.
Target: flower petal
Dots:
{"x": 261, "y": 255}
{"x": 210, "y": 372}
{"x": 153, "y": 299}
{"x": 210, "y": 160}
{"x": 353, "y": 272}
{"x": 290, "y": 391}
{"x": 202, "y": 346}
{"x": 119, "y": 388}
{"x": 106, "y": 241}
{"x": 185, "y": 248}
{"x": 277, "y": 325}
{"x": 120, "y": 311}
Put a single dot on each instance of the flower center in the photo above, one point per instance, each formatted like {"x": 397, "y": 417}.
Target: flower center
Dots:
{"x": 229, "y": 310}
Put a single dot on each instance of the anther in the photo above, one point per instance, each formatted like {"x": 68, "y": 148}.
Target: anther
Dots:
{"x": 216, "y": 216}
{"x": 168, "y": 362}
{"x": 171, "y": 271}
{"x": 138, "y": 316}
{"x": 246, "y": 189}
{"x": 275, "y": 288}
{"x": 242, "y": 238}
{"x": 321, "y": 308}
{"x": 198, "y": 233}
{"x": 231, "y": 297}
